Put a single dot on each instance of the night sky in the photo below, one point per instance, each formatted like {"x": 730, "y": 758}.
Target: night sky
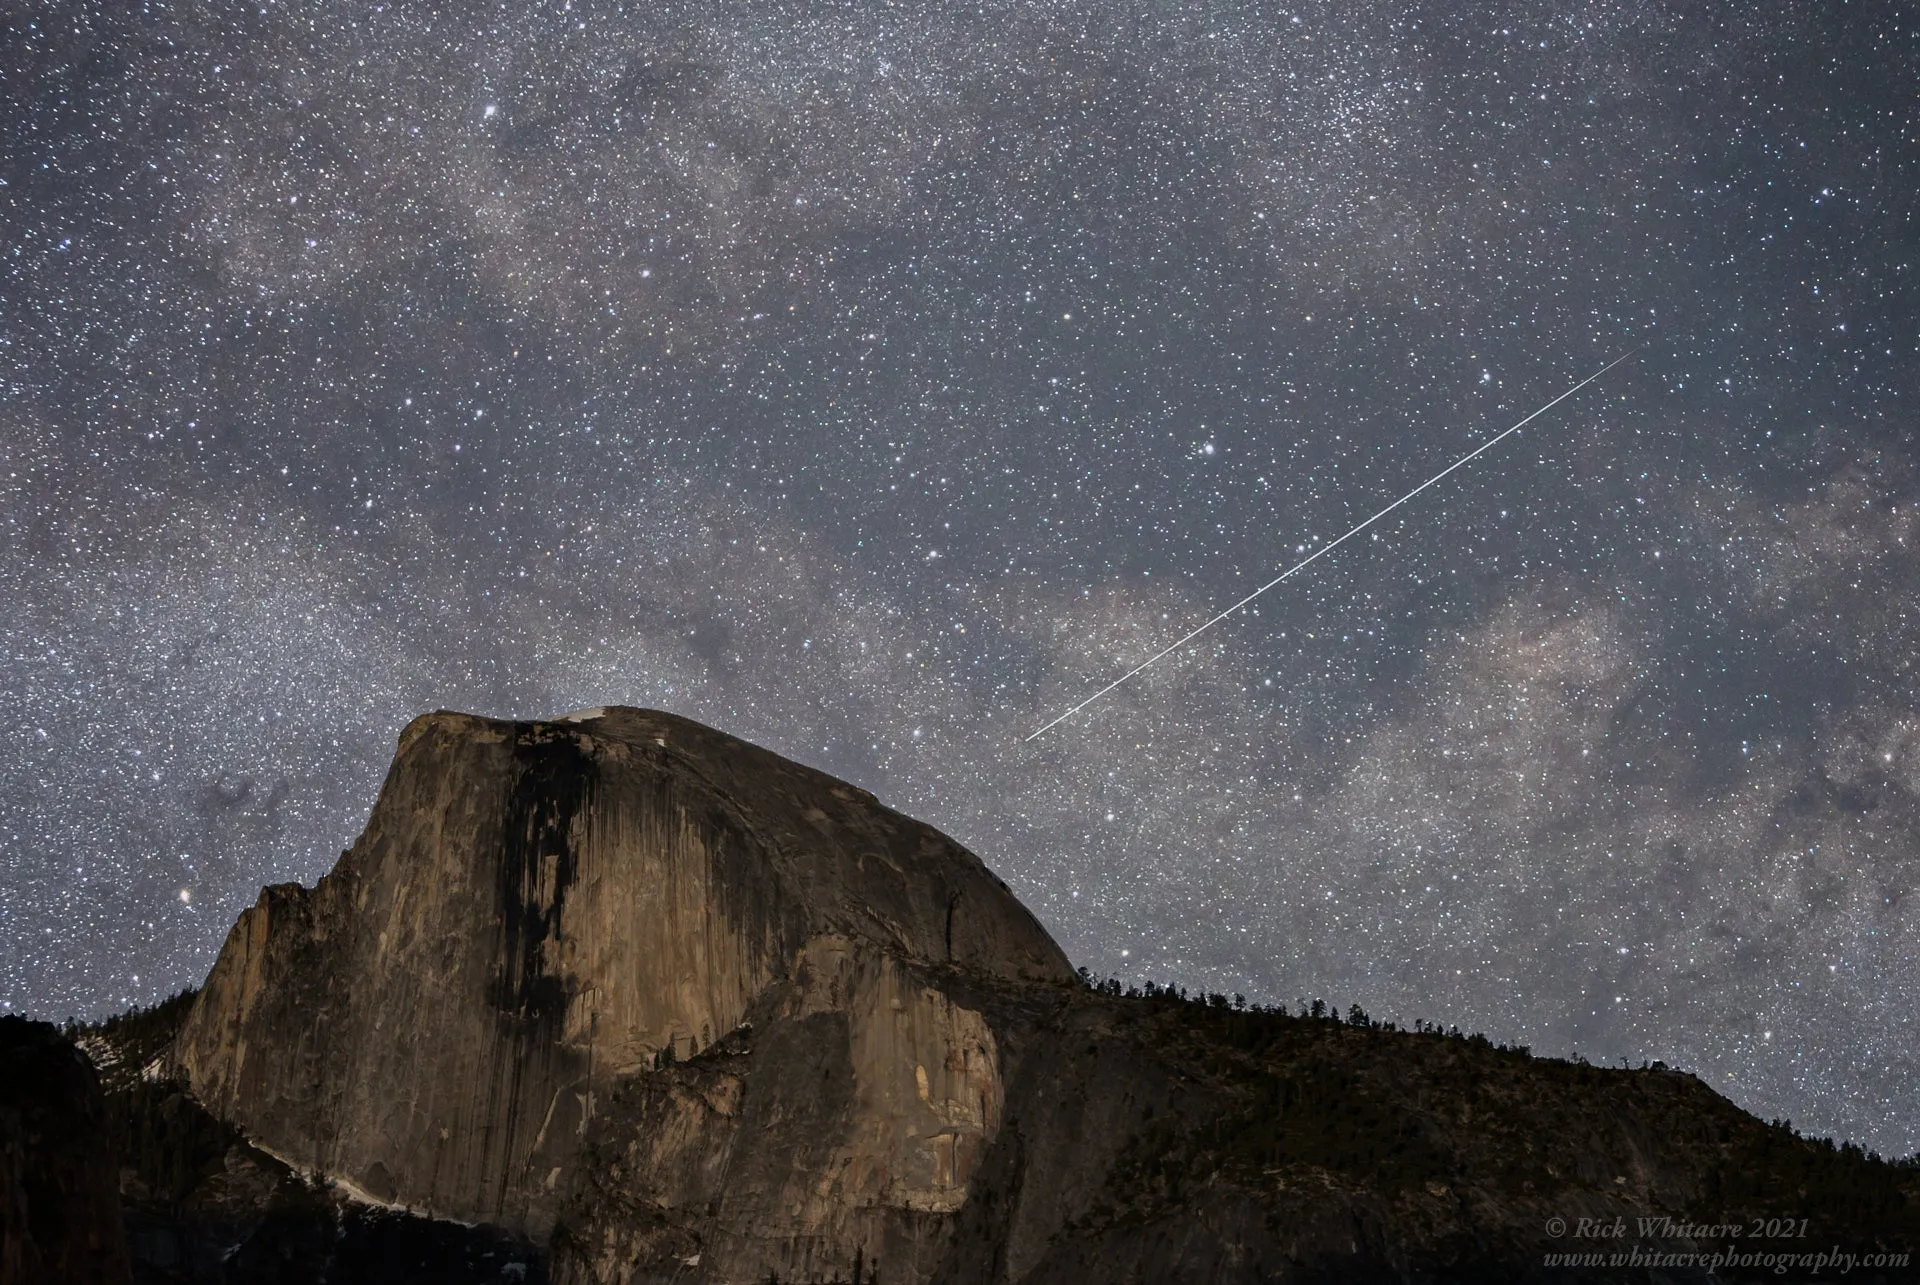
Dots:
{"x": 874, "y": 381}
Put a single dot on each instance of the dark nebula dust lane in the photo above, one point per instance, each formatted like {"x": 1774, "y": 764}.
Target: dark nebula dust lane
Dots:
{"x": 874, "y": 381}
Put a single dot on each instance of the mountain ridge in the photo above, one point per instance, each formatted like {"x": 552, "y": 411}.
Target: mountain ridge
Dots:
{"x": 645, "y": 1003}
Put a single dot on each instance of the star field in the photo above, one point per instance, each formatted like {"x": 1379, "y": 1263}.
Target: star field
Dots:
{"x": 875, "y": 381}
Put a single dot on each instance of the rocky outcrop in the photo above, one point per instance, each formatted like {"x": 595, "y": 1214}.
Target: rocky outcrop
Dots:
{"x": 59, "y": 1196}
{"x": 202, "y": 1206}
{"x": 679, "y": 1010}
{"x": 541, "y": 914}
{"x": 842, "y": 1129}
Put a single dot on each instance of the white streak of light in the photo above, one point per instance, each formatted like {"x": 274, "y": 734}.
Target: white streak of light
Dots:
{"x": 1331, "y": 545}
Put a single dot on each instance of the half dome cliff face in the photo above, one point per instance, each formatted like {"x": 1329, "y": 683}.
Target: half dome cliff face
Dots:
{"x": 664, "y": 1007}
{"x": 538, "y": 912}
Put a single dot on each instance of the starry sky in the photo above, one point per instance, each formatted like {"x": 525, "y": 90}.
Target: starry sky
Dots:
{"x": 875, "y": 380}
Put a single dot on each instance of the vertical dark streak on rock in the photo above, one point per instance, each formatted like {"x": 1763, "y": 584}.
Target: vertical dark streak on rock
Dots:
{"x": 552, "y": 792}
{"x": 554, "y": 786}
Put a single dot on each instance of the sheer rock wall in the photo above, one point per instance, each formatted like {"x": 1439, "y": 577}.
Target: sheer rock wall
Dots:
{"x": 541, "y": 913}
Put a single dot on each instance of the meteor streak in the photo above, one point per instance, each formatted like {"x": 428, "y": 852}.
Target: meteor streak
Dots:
{"x": 1331, "y": 545}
